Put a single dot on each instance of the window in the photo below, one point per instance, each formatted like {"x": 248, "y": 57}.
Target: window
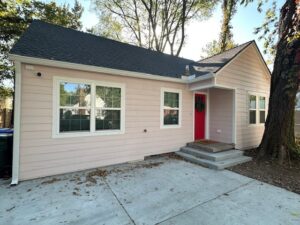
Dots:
{"x": 257, "y": 109}
{"x": 108, "y": 108}
{"x": 88, "y": 108}
{"x": 262, "y": 109}
{"x": 252, "y": 109}
{"x": 170, "y": 108}
{"x": 74, "y": 107}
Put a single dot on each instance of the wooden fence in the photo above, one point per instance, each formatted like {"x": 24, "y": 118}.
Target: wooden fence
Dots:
{"x": 5, "y": 118}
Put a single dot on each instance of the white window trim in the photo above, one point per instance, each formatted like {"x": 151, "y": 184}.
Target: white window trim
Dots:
{"x": 163, "y": 90}
{"x": 257, "y": 109}
{"x": 92, "y": 132}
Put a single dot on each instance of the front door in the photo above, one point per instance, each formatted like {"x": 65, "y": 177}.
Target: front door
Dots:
{"x": 200, "y": 108}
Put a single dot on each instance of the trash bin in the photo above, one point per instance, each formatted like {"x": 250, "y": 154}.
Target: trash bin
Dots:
{"x": 6, "y": 145}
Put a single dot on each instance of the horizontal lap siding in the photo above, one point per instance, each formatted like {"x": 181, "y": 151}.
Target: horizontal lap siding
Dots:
{"x": 220, "y": 114}
{"x": 41, "y": 155}
{"x": 247, "y": 75}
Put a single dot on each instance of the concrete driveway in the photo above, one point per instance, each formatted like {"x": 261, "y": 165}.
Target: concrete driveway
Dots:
{"x": 156, "y": 191}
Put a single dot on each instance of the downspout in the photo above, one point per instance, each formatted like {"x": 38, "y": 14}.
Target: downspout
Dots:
{"x": 17, "y": 117}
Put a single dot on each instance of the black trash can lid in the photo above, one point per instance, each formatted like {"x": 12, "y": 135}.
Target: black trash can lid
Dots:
{"x": 6, "y": 132}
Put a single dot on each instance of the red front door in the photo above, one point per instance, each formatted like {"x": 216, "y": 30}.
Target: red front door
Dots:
{"x": 200, "y": 108}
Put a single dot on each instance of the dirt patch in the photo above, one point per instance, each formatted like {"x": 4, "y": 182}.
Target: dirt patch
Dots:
{"x": 51, "y": 181}
{"x": 172, "y": 155}
{"x": 90, "y": 177}
{"x": 285, "y": 176}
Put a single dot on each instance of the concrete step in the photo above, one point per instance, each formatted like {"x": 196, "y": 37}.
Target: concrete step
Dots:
{"x": 214, "y": 147}
{"x": 217, "y": 165}
{"x": 218, "y": 156}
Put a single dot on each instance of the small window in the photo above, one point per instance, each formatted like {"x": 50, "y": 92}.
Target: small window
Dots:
{"x": 262, "y": 109}
{"x": 252, "y": 109}
{"x": 257, "y": 109}
{"x": 74, "y": 107}
{"x": 171, "y": 108}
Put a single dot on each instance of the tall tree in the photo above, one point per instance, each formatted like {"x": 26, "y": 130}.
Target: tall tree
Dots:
{"x": 16, "y": 15}
{"x": 278, "y": 140}
{"x": 225, "y": 40}
{"x": 153, "y": 24}
{"x": 228, "y": 10}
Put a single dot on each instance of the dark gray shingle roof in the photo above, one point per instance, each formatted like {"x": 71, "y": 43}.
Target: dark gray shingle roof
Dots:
{"x": 48, "y": 41}
{"x": 216, "y": 62}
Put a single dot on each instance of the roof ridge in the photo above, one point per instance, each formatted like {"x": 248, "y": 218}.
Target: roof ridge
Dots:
{"x": 112, "y": 40}
{"x": 246, "y": 44}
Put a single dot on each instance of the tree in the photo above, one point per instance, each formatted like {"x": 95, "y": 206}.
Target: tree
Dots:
{"x": 225, "y": 41}
{"x": 278, "y": 141}
{"x": 228, "y": 10}
{"x": 16, "y": 15}
{"x": 214, "y": 47}
{"x": 155, "y": 24}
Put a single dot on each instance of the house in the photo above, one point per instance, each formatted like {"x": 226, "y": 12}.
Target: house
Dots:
{"x": 84, "y": 101}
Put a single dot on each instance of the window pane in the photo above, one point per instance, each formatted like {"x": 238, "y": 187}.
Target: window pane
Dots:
{"x": 262, "y": 116}
{"x": 74, "y": 120}
{"x": 75, "y": 95}
{"x": 262, "y": 102}
{"x": 108, "y": 119}
{"x": 252, "y": 117}
{"x": 171, "y": 117}
{"x": 108, "y": 97}
{"x": 252, "y": 102}
{"x": 171, "y": 100}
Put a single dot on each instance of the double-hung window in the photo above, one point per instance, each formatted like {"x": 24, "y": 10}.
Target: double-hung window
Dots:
{"x": 87, "y": 108}
{"x": 257, "y": 109}
{"x": 170, "y": 108}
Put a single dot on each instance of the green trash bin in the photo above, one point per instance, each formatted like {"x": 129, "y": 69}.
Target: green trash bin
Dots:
{"x": 6, "y": 145}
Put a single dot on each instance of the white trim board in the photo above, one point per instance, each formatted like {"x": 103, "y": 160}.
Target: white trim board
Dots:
{"x": 17, "y": 125}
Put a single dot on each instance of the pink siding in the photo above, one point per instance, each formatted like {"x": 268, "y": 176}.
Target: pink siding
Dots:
{"x": 42, "y": 155}
{"x": 221, "y": 115}
{"x": 247, "y": 75}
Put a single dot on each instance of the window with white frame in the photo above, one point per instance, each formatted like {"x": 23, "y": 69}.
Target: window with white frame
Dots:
{"x": 252, "y": 109}
{"x": 88, "y": 107}
{"x": 108, "y": 108}
{"x": 257, "y": 109}
{"x": 171, "y": 108}
{"x": 74, "y": 107}
{"x": 262, "y": 109}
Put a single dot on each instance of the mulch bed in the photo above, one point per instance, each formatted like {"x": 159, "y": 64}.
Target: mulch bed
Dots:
{"x": 286, "y": 176}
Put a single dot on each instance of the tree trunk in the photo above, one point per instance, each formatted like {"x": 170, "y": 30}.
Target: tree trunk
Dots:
{"x": 228, "y": 9}
{"x": 278, "y": 141}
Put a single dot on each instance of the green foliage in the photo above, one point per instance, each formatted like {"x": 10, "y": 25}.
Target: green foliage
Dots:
{"x": 5, "y": 92}
{"x": 16, "y": 15}
{"x": 214, "y": 47}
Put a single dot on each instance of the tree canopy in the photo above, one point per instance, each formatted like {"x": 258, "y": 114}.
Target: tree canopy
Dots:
{"x": 16, "y": 15}
{"x": 155, "y": 24}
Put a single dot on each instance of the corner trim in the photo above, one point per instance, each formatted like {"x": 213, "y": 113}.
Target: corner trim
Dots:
{"x": 17, "y": 125}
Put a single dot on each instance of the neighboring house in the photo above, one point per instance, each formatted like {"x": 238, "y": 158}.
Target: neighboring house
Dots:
{"x": 84, "y": 101}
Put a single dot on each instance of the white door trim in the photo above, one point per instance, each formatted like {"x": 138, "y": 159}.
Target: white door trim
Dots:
{"x": 206, "y": 113}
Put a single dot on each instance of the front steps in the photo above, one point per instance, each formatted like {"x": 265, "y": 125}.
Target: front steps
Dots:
{"x": 217, "y": 158}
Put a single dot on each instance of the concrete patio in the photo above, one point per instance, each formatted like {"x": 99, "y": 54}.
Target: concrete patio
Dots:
{"x": 159, "y": 190}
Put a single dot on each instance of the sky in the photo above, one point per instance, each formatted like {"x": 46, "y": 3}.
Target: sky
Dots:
{"x": 199, "y": 33}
